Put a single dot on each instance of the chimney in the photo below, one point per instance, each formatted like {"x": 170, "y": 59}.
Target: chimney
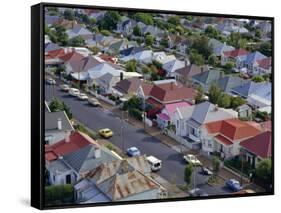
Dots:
{"x": 67, "y": 136}
{"x": 59, "y": 124}
{"x": 121, "y": 76}
{"x": 97, "y": 153}
{"x": 216, "y": 108}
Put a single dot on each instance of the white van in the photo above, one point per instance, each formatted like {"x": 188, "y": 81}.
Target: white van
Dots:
{"x": 73, "y": 92}
{"x": 155, "y": 163}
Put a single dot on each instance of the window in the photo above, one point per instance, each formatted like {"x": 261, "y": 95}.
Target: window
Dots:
{"x": 68, "y": 179}
{"x": 54, "y": 178}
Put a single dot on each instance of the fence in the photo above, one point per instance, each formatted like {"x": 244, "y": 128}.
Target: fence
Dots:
{"x": 182, "y": 141}
{"x": 101, "y": 97}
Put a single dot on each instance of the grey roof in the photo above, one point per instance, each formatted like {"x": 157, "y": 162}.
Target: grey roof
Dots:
{"x": 51, "y": 121}
{"x": 51, "y": 46}
{"x": 58, "y": 166}
{"x": 207, "y": 77}
{"x": 191, "y": 70}
{"x": 246, "y": 89}
{"x": 200, "y": 112}
{"x": 50, "y": 20}
{"x": 243, "y": 107}
{"x": 105, "y": 79}
{"x": 229, "y": 82}
{"x": 84, "y": 160}
{"x": 253, "y": 57}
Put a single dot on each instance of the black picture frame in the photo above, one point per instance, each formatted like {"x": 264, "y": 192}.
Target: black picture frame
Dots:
{"x": 37, "y": 104}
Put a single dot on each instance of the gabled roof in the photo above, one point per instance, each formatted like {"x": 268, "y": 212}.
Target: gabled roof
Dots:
{"x": 173, "y": 65}
{"x": 247, "y": 88}
{"x": 264, "y": 63}
{"x": 253, "y": 57}
{"x": 207, "y": 77}
{"x": 72, "y": 56}
{"x": 51, "y": 121}
{"x": 79, "y": 30}
{"x": 259, "y": 145}
{"x": 232, "y": 129}
{"x": 77, "y": 140}
{"x": 191, "y": 70}
{"x": 51, "y": 47}
{"x": 229, "y": 82}
{"x": 171, "y": 108}
{"x": 236, "y": 53}
{"x": 129, "y": 85}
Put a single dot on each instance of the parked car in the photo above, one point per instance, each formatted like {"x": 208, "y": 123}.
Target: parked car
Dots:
{"x": 73, "y": 92}
{"x": 245, "y": 191}
{"x": 93, "y": 101}
{"x": 64, "y": 87}
{"x": 50, "y": 81}
{"x": 189, "y": 158}
{"x": 106, "y": 133}
{"x": 82, "y": 96}
{"x": 133, "y": 151}
{"x": 197, "y": 192}
{"x": 206, "y": 171}
{"x": 234, "y": 185}
{"x": 154, "y": 163}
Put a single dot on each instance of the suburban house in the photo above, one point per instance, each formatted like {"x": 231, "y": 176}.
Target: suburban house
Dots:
{"x": 144, "y": 56}
{"x": 79, "y": 31}
{"x": 56, "y": 125}
{"x": 218, "y": 48}
{"x": 227, "y": 83}
{"x": 51, "y": 46}
{"x": 227, "y": 28}
{"x": 68, "y": 24}
{"x": 106, "y": 82}
{"x": 171, "y": 66}
{"x": 164, "y": 117}
{"x": 185, "y": 73}
{"x": 244, "y": 111}
{"x": 127, "y": 87}
{"x": 200, "y": 114}
{"x": 236, "y": 56}
{"x": 261, "y": 97}
{"x": 249, "y": 87}
{"x": 205, "y": 79}
{"x": 168, "y": 91}
{"x": 122, "y": 44}
{"x": 251, "y": 61}
{"x": 71, "y": 157}
{"x": 223, "y": 137}
{"x": 257, "y": 148}
{"x": 51, "y": 20}
{"x": 72, "y": 62}
{"x": 119, "y": 180}
{"x": 126, "y": 26}
{"x": 262, "y": 66}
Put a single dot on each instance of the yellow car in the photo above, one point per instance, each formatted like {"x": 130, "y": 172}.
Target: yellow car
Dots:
{"x": 106, "y": 133}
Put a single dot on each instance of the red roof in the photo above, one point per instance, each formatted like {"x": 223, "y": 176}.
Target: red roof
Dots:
{"x": 266, "y": 125}
{"x": 233, "y": 129}
{"x": 171, "y": 92}
{"x": 146, "y": 88}
{"x": 77, "y": 141}
{"x": 56, "y": 53}
{"x": 235, "y": 53}
{"x": 259, "y": 145}
{"x": 223, "y": 139}
{"x": 264, "y": 63}
{"x": 72, "y": 56}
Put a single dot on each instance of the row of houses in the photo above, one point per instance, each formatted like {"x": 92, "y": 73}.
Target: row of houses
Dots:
{"x": 96, "y": 173}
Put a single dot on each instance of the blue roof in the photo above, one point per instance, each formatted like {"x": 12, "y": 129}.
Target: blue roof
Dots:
{"x": 252, "y": 57}
{"x": 248, "y": 88}
{"x": 51, "y": 46}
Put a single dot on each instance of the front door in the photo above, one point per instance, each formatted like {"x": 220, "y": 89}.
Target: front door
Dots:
{"x": 68, "y": 179}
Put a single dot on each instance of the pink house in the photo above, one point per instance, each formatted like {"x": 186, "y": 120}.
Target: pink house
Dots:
{"x": 163, "y": 118}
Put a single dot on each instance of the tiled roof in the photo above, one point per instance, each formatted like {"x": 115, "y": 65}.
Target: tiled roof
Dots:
{"x": 191, "y": 70}
{"x": 172, "y": 107}
{"x": 264, "y": 63}
{"x": 236, "y": 53}
{"x": 233, "y": 129}
{"x": 259, "y": 145}
{"x": 128, "y": 85}
{"x": 77, "y": 141}
{"x": 72, "y": 56}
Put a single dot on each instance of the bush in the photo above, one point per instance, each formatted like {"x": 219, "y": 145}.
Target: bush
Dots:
{"x": 136, "y": 113}
{"x": 56, "y": 106}
{"x": 59, "y": 194}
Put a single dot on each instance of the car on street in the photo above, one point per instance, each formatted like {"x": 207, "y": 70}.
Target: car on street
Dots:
{"x": 133, "y": 151}
{"x": 245, "y": 191}
{"x": 82, "y": 96}
{"x": 106, "y": 133}
{"x": 192, "y": 159}
{"x": 64, "y": 87}
{"x": 197, "y": 192}
{"x": 234, "y": 185}
{"x": 155, "y": 164}
{"x": 73, "y": 92}
{"x": 93, "y": 101}
{"x": 206, "y": 171}
{"x": 50, "y": 81}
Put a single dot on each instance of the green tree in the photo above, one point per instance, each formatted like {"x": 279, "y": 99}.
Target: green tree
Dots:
{"x": 201, "y": 44}
{"x": 109, "y": 21}
{"x": 258, "y": 33}
{"x": 236, "y": 102}
{"x": 131, "y": 66}
{"x": 175, "y": 20}
{"x": 56, "y": 106}
{"x": 145, "y": 18}
{"x": 59, "y": 193}
{"x": 264, "y": 170}
{"x": 77, "y": 41}
{"x": 265, "y": 48}
{"x": 213, "y": 60}
{"x": 258, "y": 78}
{"x": 188, "y": 173}
{"x": 149, "y": 39}
{"x": 105, "y": 32}
{"x": 216, "y": 165}
{"x": 95, "y": 50}
{"x": 196, "y": 58}
{"x": 69, "y": 14}
{"x": 199, "y": 95}
{"x": 214, "y": 93}
{"x": 137, "y": 31}
{"x": 59, "y": 35}
{"x": 229, "y": 66}
{"x": 224, "y": 100}
{"x": 211, "y": 32}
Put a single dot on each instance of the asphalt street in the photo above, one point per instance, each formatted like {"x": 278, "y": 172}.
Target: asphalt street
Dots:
{"x": 96, "y": 118}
